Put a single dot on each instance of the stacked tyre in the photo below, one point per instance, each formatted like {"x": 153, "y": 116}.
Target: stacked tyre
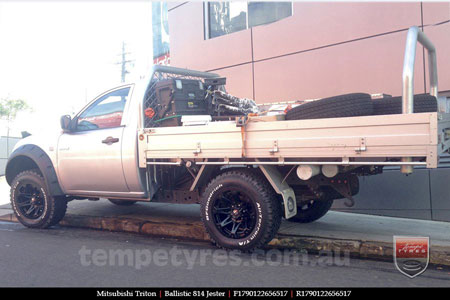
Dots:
{"x": 348, "y": 105}
{"x": 388, "y": 106}
{"x": 358, "y": 104}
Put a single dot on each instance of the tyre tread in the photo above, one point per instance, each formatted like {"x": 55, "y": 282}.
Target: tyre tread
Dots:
{"x": 57, "y": 209}
{"x": 267, "y": 195}
{"x": 389, "y": 106}
{"x": 348, "y": 105}
{"x": 320, "y": 211}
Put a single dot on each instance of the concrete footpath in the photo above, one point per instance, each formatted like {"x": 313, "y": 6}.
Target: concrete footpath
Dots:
{"x": 363, "y": 236}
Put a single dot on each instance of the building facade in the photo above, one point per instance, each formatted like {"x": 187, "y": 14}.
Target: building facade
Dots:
{"x": 318, "y": 50}
{"x": 287, "y": 51}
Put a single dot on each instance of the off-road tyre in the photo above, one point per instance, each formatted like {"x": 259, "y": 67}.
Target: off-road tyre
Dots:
{"x": 29, "y": 187}
{"x": 311, "y": 211}
{"x": 122, "y": 202}
{"x": 388, "y": 106}
{"x": 60, "y": 212}
{"x": 259, "y": 203}
{"x": 349, "y": 105}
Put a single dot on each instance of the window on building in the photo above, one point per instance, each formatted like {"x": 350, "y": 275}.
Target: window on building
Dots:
{"x": 227, "y": 17}
{"x": 260, "y": 13}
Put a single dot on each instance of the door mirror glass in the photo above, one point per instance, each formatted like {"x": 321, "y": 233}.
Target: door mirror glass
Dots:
{"x": 65, "y": 122}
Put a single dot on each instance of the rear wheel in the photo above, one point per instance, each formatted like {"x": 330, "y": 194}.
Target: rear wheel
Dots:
{"x": 32, "y": 203}
{"x": 311, "y": 211}
{"x": 240, "y": 210}
{"x": 122, "y": 202}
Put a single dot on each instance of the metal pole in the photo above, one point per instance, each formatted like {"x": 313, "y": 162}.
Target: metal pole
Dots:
{"x": 414, "y": 36}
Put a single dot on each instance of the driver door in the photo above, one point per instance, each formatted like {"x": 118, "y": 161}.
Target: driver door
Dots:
{"x": 89, "y": 157}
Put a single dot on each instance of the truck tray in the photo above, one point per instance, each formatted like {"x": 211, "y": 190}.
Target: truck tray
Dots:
{"x": 405, "y": 139}
{"x": 368, "y": 140}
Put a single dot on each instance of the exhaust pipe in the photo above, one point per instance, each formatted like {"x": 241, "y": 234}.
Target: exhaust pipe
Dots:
{"x": 330, "y": 171}
{"x": 306, "y": 172}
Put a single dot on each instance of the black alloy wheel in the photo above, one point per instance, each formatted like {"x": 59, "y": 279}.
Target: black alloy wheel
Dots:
{"x": 240, "y": 210}
{"x": 30, "y": 200}
{"x": 234, "y": 214}
{"x": 34, "y": 206}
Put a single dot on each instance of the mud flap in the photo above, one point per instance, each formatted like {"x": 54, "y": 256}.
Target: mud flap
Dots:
{"x": 282, "y": 188}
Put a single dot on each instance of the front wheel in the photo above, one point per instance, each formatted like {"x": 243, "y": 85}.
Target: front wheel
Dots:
{"x": 311, "y": 211}
{"x": 32, "y": 203}
{"x": 240, "y": 210}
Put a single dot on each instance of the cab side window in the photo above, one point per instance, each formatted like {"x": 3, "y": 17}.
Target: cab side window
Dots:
{"x": 106, "y": 112}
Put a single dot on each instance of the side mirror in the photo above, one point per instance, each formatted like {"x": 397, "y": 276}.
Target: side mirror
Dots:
{"x": 25, "y": 134}
{"x": 65, "y": 122}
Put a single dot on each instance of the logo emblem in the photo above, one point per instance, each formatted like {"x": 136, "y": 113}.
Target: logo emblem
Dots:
{"x": 411, "y": 254}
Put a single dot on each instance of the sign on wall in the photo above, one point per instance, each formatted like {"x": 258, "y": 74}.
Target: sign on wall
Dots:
{"x": 160, "y": 29}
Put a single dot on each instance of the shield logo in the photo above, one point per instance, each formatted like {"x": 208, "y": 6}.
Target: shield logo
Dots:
{"x": 411, "y": 254}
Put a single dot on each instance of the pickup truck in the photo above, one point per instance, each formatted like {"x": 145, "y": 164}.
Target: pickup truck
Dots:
{"x": 168, "y": 138}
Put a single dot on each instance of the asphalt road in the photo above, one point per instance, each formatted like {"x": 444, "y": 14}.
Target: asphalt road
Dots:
{"x": 77, "y": 257}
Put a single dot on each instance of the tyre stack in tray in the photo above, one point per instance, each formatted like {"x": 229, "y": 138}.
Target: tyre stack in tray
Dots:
{"x": 358, "y": 104}
{"x": 349, "y": 105}
{"x": 390, "y": 106}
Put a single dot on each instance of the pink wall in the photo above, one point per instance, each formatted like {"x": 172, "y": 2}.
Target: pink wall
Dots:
{"x": 440, "y": 35}
{"x": 324, "y": 49}
{"x": 188, "y": 48}
{"x": 370, "y": 66}
{"x": 318, "y": 24}
{"x": 239, "y": 80}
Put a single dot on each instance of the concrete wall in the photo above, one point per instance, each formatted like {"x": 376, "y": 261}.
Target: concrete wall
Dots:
{"x": 6, "y": 146}
{"x": 324, "y": 49}
{"x": 425, "y": 194}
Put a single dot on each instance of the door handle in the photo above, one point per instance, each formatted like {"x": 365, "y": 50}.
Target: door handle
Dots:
{"x": 110, "y": 140}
